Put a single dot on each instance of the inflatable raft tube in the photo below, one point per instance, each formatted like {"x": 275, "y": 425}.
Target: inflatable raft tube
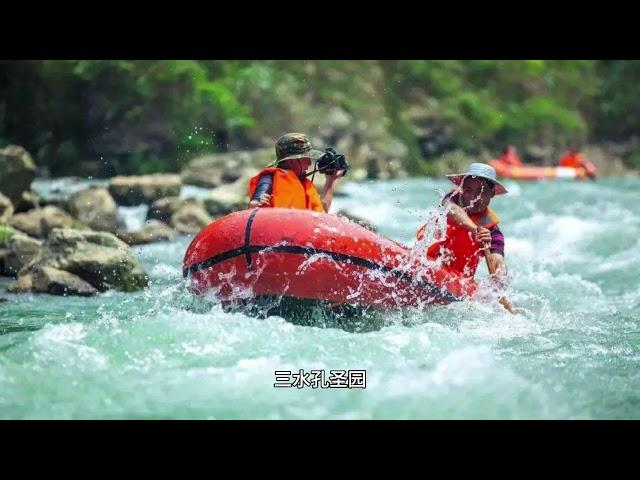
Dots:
{"x": 299, "y": 254}
{"x": 530, "y": 172}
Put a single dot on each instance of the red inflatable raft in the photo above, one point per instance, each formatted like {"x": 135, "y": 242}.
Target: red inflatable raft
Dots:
{"x": 307, "y": 255}
{"x": 531, "y": 172}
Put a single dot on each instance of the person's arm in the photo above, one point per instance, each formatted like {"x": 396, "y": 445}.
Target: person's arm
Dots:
{"x": 589, "y": 168}
{"x": 262, "y": 195}
{"x": 458, "y": 215}
{"x": 329, "y": 189}
{"x": 496, "y": 256}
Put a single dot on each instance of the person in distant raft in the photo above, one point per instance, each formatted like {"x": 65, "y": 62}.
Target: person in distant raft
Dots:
{"x": 471, "y": 224}
{"x": 574, "y": 159}
{"x": 510, "y": 157}
{"x": 284, "y": 182}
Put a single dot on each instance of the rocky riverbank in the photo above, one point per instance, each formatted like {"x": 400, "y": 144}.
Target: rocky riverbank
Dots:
{"x": 76, "y": 242}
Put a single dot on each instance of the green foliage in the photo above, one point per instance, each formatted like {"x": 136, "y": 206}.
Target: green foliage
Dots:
{"x": 158, "y": 114}
{"x": 542, "y": 120}
{"x": 617, "y": 107}
{"x": 6, "y": 232}
{"x": 633, "y": 159}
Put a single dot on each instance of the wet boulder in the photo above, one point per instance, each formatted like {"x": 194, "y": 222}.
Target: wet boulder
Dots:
{"x": 99, "y": 258}
{"x": 39, "y": 222}
{"x": 17, "y": 171}
{"x": 136, "y": 190}
{"x": 96, "y": 208}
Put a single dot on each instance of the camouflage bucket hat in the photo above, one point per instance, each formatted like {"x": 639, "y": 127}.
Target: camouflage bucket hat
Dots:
{"x": 294, "y": 145}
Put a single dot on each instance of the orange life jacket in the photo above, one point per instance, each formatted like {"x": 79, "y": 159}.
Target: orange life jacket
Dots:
{"x": 459, "y": 249}
{"x": 288, "y": 191}
{"x": 578, "y": 161}
{"x": 573, "y": 160}
{"x": 511, "y": 158}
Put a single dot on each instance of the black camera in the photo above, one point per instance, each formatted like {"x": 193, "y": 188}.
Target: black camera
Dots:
{"x": 331, "y": 162}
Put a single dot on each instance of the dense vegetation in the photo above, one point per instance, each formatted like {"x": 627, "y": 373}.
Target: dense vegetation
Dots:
{"x": 129, "y": 116}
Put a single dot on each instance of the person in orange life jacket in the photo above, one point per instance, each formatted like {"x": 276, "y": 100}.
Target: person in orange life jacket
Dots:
{"x": 574, "y": 159}
{"x": 510, "y": 156}
{"x": 284, "y": 184}
{"x": 471, "y": 224}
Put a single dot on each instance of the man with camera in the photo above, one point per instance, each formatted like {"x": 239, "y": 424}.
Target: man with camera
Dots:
{"x": 284, "y": 182}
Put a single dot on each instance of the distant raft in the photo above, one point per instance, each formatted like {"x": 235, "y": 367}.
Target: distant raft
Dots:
{"x": 530, "y": 172}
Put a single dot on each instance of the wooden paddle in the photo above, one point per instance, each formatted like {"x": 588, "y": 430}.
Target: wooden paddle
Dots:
{"x": 505, "y": 303}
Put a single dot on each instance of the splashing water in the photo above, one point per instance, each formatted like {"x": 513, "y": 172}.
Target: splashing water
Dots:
{"x": 573, "y": 253}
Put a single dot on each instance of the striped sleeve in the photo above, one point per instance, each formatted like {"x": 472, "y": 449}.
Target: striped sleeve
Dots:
{"x": 497, "y": 241}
